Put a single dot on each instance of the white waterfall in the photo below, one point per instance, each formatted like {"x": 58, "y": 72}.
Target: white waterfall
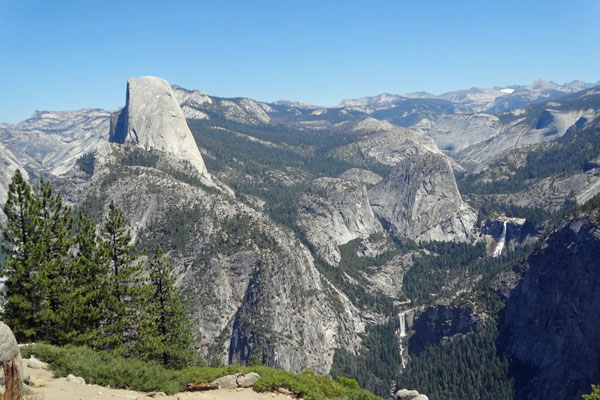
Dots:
{"x": 500, "y": 245}
{"x": 402, "y": 325}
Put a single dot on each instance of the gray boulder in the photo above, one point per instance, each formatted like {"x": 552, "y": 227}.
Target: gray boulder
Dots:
{"x": 9, "y": 349}
{"x": 247, "y": 380}
{"x": 405, "y": 394}
{"x": 227, "y": 381}
{"x": 361, "y": 175}
{"x": 236, "y": 380}
{"x": 75, "y": 379}
{"x": 34, "y": 363}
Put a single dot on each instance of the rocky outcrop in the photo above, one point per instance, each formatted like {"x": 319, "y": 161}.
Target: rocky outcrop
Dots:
{"x": 11, "y": 387}
{"x": 551, "y": 322}
{"x": 419, "y": 200}
{"x": 552, "y": 192}
{"x": 504, "y": 283}
{"x": 152, "y": 120}
{"x": 388, "y": 278}
{"x": 441, "y": 322}
{"x": 405, "y": 394}
{"x": 458, "y": 131}
{"x": 389, "y": 145}
{"x": 291, "y": 318}
{"x": 334, "y": 212}
{"x": 236, "y": 380}
{"x": 519, "y": 232}
{"x": 51, "y": 142}
{"x": 367, "y": 177}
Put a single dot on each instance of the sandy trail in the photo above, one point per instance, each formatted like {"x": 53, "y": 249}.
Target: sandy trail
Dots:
{"x": 51, "y": 388}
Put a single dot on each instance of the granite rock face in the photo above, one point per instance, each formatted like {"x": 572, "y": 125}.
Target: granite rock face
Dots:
{"x": 367, "y": 177}
{"x": 387, "y": 145}
{"x": 419, "y": 200}
{"x": 50, "y": 142}
{"x": 334, "y": 212}
{"x": 153, "y": 120}
{"x": 9, "y": 348}
{"x": 437, "y": 323}
{"x": 252, "y": 286}
{"x": 552, "y": 318}
{"x": 288, "y": 319}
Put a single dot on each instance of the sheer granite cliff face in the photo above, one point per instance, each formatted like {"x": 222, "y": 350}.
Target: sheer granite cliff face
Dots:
{"x": 419, "y": 200}
{"x": 334, "y": 212}
{"x": 152, "y": 120}
{"x": 551, "y": 324}
{"x": 252, "y": 287}
{"x": 437, "y": 323}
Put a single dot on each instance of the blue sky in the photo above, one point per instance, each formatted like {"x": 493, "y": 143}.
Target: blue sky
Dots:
{"x": 60, "y": 55}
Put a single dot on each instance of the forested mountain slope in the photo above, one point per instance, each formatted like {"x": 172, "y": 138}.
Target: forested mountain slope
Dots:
{"x": 327, "y": 238}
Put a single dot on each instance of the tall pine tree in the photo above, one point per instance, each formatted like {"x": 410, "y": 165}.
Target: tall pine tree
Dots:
{"x": 23, "y": 303}
{"x": 89, "y": 283}
{"x": 125, "y": 274}
{"x": 164, "y": 328}
{"x": 53, "y": 252}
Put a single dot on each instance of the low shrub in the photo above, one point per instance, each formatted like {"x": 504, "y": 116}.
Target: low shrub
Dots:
{"x": 108, "y": 368}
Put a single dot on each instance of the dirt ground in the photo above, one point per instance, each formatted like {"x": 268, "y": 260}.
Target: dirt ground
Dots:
{"x": 46, "y": 387}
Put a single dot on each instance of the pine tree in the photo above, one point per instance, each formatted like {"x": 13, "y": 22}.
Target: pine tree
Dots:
{"x": 89, "y": 286}
{"x": 23, "y": 303}
{"x": 164, "y": 327}
{"x": 53, "y": 252}
{"x": 125, "y": 273}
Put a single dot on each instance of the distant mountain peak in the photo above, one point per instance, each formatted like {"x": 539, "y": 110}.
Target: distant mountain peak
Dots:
{"x": 153, "y": 119}
{"x": 296, "y": 104}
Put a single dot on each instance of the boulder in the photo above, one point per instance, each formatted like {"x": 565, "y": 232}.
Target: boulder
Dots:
{"x": 34, "y": 363}
{"x": 405, "y": 394}
{"x": 227, "y": 381}
{"x": 9, "y": 349}
{"x": 75, "y": 379}
{"x": 34, "y": 381}
{"x": 12, "y": 366}
{"x": 247, "y": 380}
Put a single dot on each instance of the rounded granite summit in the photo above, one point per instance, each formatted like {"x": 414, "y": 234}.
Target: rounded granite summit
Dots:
{"x": 153, "y": 120}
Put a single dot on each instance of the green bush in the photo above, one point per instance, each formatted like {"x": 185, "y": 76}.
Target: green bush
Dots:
{"x": 107, "y": 368}
{"x": 347, "y": 382}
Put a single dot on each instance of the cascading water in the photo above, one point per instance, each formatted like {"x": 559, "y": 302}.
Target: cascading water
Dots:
{"x": 400, "y": 335}
{"x": 402, "y": 325}
{"x": 500, "y": 246}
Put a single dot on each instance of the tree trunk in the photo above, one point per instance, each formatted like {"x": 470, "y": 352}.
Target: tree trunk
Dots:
{"x": 13, "y": 381}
